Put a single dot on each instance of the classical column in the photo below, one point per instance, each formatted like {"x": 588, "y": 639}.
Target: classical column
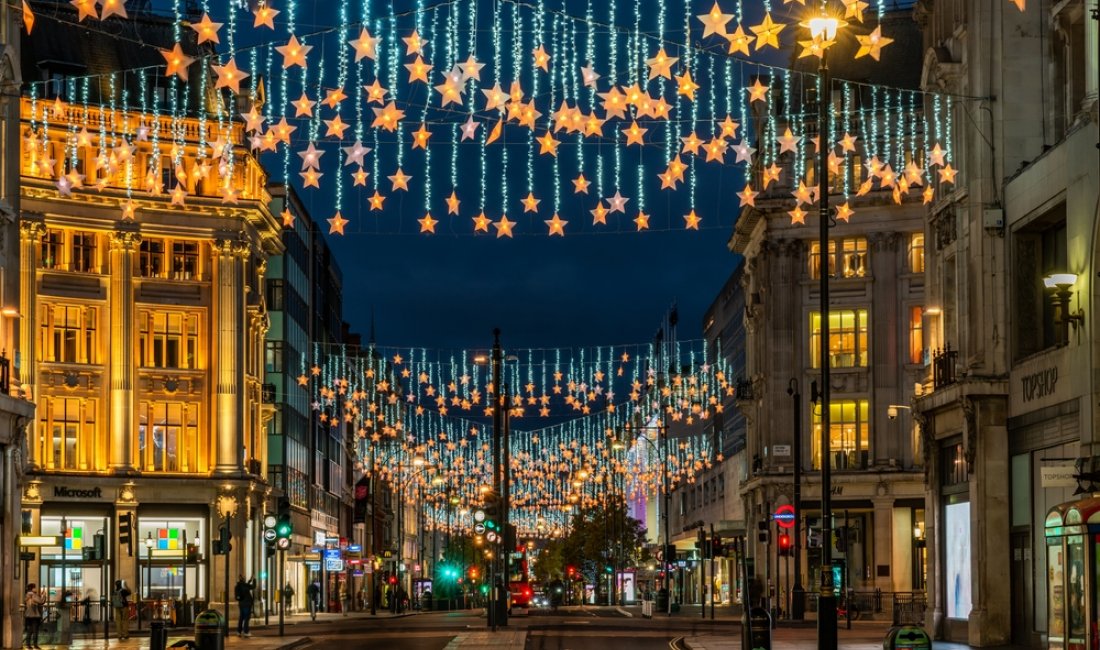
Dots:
{"x": 30, "y": 244}
{"x": 230, "y": 332}
{"x": 124, "y": 244}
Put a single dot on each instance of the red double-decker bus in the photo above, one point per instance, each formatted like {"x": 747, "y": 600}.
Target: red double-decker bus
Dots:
{"x": 519, "y": 580}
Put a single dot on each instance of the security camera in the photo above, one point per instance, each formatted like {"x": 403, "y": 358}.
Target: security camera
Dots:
{"x": 892, "y": 412}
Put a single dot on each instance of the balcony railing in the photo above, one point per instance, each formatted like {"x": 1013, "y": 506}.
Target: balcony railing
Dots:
{"x": 943, "y": 367}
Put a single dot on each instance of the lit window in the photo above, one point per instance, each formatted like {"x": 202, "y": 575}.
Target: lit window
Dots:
{"x": 849, "y": 434}
{"x": 151, "y": 258}
{"x": 168, "y": 436}
{"x": 185, "y": 260}
{"x": 52, "y": 249}
{"x": 916, "y": 252}
{"x": 67, "y": 334}
{"x": 847, "y": 339}
{"x": 916, "y": 334}
{"x": 849, "y": 255}
{"x": 168, "y": 340}
{"x": 83, "y": 254}
{"x": 67, "y": 433}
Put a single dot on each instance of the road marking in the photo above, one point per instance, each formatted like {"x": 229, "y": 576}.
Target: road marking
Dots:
{"x": 624, "y": 612}
{"x": 674, "y": 644}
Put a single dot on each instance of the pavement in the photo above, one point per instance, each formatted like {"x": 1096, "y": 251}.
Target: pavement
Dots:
{"x": 233, "y": 642}
{"x": 511, "y": 639}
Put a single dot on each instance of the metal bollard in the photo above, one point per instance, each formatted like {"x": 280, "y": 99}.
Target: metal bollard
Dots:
{"x": 209, "y": 630}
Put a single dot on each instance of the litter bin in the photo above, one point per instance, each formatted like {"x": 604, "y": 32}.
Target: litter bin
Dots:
{"x": 662, "y": 600}
{"x": 759, "y": 630}
{"x": 158, "y": 627}
{"x": 907, "y": 637}
{"x": 208, "y": 630}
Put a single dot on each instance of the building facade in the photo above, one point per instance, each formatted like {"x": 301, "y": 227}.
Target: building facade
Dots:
{"x": 1011, "y": 392}
{"x": 309, "y": 462}
{"x": 15, "y": 412}
{"x": 142, "y": 333}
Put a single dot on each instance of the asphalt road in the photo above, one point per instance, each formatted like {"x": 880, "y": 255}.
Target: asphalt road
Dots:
{"x": 577, "y": 639}
{"x": 404, "y": 641}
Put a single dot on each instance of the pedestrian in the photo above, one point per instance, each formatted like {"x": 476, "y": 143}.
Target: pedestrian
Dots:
{"x": 313, "y": 593}
{"x": 120, "y": 602}
{"x": 32, "y": 615}
{"x": 288, "y": 597}
{"x": 245, "y": 599}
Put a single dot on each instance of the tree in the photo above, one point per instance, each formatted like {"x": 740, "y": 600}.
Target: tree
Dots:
{"x": 600, "y": 537}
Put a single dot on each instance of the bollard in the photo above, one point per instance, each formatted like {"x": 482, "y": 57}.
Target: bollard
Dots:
{"x": 907, "y": 637}
{"x": 209, "y": 634}
{"x": 158, "y": 627}
{"x": 759, "y": 629}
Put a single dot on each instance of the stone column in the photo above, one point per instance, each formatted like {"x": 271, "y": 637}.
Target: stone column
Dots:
{"x": 30, "y": 244}
{"x": 229, "y": 339}
{"x": 884, "y": 540}
{"x": 120, "y": 300}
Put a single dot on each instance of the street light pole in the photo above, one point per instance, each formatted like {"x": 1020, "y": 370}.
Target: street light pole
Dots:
{"x": 798, "y": 593}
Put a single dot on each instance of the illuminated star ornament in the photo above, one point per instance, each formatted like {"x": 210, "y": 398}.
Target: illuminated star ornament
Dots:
{"x": 336, "y": 224}
{"x": 872, "y": 44}
{"x": 556, "y": 225}
{"x": 177, "y": 62}
{"x": 427, "y": 224}
{"x": 229, "y": 75}
{"x": 715, "y": 21}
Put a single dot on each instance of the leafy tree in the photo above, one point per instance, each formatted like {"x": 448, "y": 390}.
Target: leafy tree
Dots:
{"x": 599, "y": 537}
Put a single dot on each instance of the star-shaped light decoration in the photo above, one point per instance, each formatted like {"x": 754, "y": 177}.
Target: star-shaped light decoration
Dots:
{"x": 747, "y": 196}
{"x": 691, "y": 144}
{"x": 400, "y": 180}
{"x": 288, "y": 218}
{"x": 418, "y": 70}
{"x": 129, "y": 208}
{"x": 716, "y": 150}
{"x": 28, "y": 18}
{"x": 714, "y": 22}
{"x": 770, "y": 174}
{"x": 112, "y": 8}
{"x": 589, "y": 76}
{"x": 661, "y": 65}
{"x": 469, "y": 128}
{"x": 311, "y": 178}
{"x": 495, "y": 132}
{"x": 336, "y": 224}
{"x": 686, "y": 86}
{"x": 617, "y": 203}
{"x": 599, "y": 214}
{"x": 86, "y": 8}
{"x": 936, "y": 156}
{"x": 359, "y": 177}
{"x": 844, "y": 212}
{"x": 854, "y": 9}
{"x": 311, "y": 157}
{"x": 365, "y": 46}
{"x": 739, "y": 41}
{"x": 294, "y": 53}
{"x": 798, "y": 215}
{"x": 614, "y": 103}
{"x": 265, "y": 16}
{"x": 691, "y": 220}
{"x": 206, "y": 30}
{"x": 814, "y": 47}
{"x": 420, "y": 137}
{"x": 176, "y": 62}
{"x": 387, "y": 117}
{"x": 504, "y": 227}
{"x": 495, "y": 97}
{"x": 556, "y": 225}
{"x": 542, "y": 58}
{"x": 767, "y": 32}
{"x": 335, "y": 127}
{"x": 580, "y": 184}
{"x": 848, "y": 143}
{"x": 758, "y": 92}
{"x": 788, "y": 142}
{"x": 927, "y": 195}
{"x": 450, "y": 91}
{"x": 803, "y": 194}
{"x": 376, "y": 201}
{"x": 229, "y": 76}
{"x": 547, "y": 144}
{"x": 872, "y": 43}
{"x": 947, "y": 174}
{"x": 481, "y": 223}
{"x": 283, "y": 130}
{"x": 634, "y": 134}
{"x": 376, "y": 93}
{"x": 642, "y": 221}
{"x": 471, "y": 69}
{"x": 744, "y": 152}
{"x": 413, "y": 43}
{"x": 333, "y": 97}
{"x": 354, "y": 154}
{"x": 427, "y": 224}
{"x": 452, "y": 203}
{"x": 530, "y": 204}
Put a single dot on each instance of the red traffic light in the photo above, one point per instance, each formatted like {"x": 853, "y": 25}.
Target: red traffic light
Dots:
{"x": 393, "y": 580}
{"x": 570, "y": 570}
{"x": 784, "y": 544}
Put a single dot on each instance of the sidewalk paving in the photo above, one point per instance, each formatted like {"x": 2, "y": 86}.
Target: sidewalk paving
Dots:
{"x": 234, "y": 642}
{"x": 484, "y": 639}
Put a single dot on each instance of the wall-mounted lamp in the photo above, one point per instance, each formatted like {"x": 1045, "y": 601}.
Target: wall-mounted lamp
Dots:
{"x": 1060, "y": 284}
{"x": 892, "y": 410}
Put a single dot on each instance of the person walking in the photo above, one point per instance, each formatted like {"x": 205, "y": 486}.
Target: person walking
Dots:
{"x": 32, "y": 616}
{"x": 245, "y": 599}
{"x": 120, "y": 602}
{"x": 288, "y": 598}
{"x": 313, "y": 593}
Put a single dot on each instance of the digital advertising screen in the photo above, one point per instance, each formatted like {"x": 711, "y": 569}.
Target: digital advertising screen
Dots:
{"x": 957, "y": 548}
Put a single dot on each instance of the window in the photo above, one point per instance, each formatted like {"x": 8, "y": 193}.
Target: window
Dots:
{"x": 83, "y": 258}
{"x": 849, "y": 255}
{"x": 185, "y": 260}
{"x": 67, "y": 426}
{"x": 67, "y": 334}
{"x": 52, "y": 249}
{"x": 1040, "y": 249}
{"x": 151, "y": 258}
{"x": 916, "y": 334}
{"x": 168, "y": 340}
{"x": 916, "y": 252}
{"x": 273, "y": 356}
{"x": 849, "y": 434}
{"x": 275, "y": 294}
{"x": 847, "y": 339}
{"x": 168, "y": 436}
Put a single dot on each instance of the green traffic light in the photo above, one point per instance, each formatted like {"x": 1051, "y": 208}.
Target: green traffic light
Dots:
{"x": 484, "y": 589}
{"x": 282, "y": 529}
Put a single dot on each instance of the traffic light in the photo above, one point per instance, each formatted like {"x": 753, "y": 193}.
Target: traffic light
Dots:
{"x": 608, "y": 569}
{"x": 473, "y": 573}
{"x": 670, "y": 553}
{"x": 193, "y": 553}
{"x": 570, "y": 571}
{"x": 126, "y": 532}
{"x": 283, "y": 527}
{"x": 222, "y": 545}
{"x": 717, "y": 550}
{"x": 842, "y": 539}
{"x": 393, "y": 580}
{"x": 95, "y": 551}
{"x": 784, "y": 544}
{"x": 491, "y": 507}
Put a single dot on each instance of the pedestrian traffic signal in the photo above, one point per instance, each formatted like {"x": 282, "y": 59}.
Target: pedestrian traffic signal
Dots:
{"x": 126, "y": 532}
{"x": 608, "y": 569}
{"x": 784, "y": 544}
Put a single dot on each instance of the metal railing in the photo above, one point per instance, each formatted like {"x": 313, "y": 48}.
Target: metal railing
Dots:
{"x": 900, "y": 607}
{"x": 943, "y": 367}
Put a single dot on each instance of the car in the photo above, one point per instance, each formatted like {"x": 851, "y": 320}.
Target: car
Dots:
{"x": 540, "y": 599}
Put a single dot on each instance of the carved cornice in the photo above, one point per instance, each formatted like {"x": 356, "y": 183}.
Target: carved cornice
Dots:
{"x": 126, "y": 239}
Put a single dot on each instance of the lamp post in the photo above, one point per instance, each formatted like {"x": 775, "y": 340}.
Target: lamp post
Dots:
{"x": 798, "y": 594}
{"x": 823, "y": 30}
{"x": 149, "y": 542}
{"x": 227, "y": 505}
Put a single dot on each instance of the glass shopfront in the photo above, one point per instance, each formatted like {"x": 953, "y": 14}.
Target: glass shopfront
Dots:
{"x": 80, "y": 567}
{"x": 167, "y": 571}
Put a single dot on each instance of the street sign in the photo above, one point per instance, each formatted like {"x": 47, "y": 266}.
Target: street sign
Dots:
{"x": 479, "y": 529}
{"x": 283, "y": 543}
{"x": 355, "y": 548}
{"x": 479, "y": 515}
{"x": 269, "y": 521}
{"x": 781, "y": 450}
{"x": 784, "y": 516}
{"x": 336, "y": 565}
{"x": 269, "y": 534}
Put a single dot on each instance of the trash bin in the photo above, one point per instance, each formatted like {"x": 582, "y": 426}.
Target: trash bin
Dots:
{"x": 662, "y": 600}
{"x": 209, "y": 626}
{"x": 759, "y": 630}
{"x": 907, "y": 637}
{"x": 158, "y": 627}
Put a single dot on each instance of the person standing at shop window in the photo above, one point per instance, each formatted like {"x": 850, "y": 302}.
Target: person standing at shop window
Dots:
{"x": 120, "y": 602}
{"x": 32, "y": 615}
{"x": 313, "y": 593}
{"x": 245, "y": 599}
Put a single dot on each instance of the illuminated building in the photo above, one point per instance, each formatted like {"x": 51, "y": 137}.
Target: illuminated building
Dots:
{"x": 142, "y": 338}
